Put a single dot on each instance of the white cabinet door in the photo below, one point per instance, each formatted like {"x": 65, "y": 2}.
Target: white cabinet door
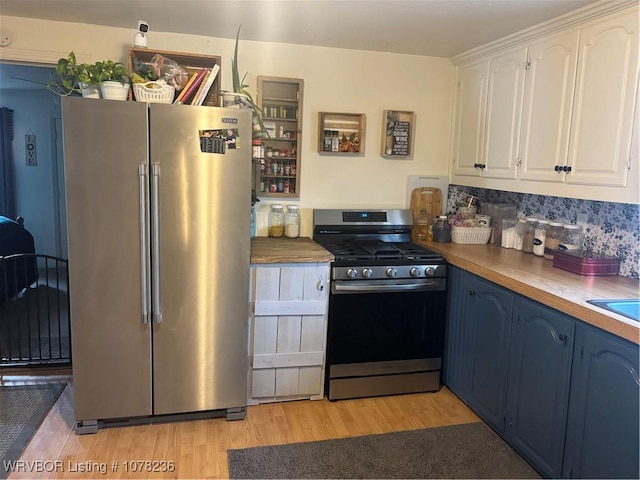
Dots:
{"x": 288, "y": 325}
{"x": 504, "y": 114}
{"x": 606, "y": 85}
{"x": 548, "y": 99}
{"x": 471, "y": 102}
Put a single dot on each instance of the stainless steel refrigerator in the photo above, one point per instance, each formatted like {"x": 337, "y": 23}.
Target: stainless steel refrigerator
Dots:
{"x": 158, "y": 209}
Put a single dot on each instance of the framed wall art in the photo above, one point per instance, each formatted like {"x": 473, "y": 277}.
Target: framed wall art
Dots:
{"x": 397, "y": 134}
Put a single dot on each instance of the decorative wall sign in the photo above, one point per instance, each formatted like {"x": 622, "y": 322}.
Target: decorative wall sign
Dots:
{"x": 397, "y": 134}
{"x": 30, "y": 149}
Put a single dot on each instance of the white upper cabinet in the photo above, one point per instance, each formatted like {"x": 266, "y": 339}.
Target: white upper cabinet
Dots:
{"x": 471, "y": 109}
{"x": 488, "y": 115}
{"x": 547, "y": 106}
{"x": 606, "y": 85}
{"x": 504, "y": 114}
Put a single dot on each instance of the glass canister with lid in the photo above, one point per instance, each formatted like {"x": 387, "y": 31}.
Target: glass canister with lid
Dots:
{"x": 552, "y": 239}
{"x": 528, "y": 235}
{"x": 276, "y": 221}
{"x": 442, "y": 230}
{"x": 539, "y": 237}
{"x": 519, "y": 233}
{"x": 571, "y": 238}
{"x": 292, "y": 222}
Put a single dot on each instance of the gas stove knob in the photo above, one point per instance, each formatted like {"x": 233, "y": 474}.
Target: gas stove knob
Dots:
{"x": 414, "y": 272}
{"x": 429, "y": 271}
{"x": 392, "y": 272}
{"x": 352, "y": 273}
{"x": 367, "y": 272}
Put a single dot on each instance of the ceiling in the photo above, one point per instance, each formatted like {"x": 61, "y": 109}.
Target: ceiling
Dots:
{"x": 441, "y": 28}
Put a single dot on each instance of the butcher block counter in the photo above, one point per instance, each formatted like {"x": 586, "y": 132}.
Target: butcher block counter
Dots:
{"x": 287, "y": 250}
{"x": 536, "y": 278}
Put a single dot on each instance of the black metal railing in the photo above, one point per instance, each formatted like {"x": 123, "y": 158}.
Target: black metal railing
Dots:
{"x": 34, "y": 311}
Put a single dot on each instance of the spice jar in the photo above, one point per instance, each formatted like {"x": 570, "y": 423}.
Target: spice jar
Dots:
{"x": 423, "y": 226}
{"x": 276, "y": 221}
{"x": 292, "y": 222}
{"x": 442, "y": 230}
{"x": 539, "y": 237}
{"x": 552, "y": 240}
{"x": 571, "y": 237}
{"x": 529, "y": 232}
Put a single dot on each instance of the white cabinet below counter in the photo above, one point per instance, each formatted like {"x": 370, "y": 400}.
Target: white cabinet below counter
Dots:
{"x": 287, "y": 331}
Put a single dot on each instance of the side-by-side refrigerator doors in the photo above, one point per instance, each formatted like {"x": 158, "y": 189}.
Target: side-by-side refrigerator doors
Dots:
{"x": 201, "y": 202}
{"x": 105, "y": 142}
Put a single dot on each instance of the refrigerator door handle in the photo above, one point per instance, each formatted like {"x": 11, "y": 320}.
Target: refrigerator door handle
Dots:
{"x": 156, "y": 292}
{"x": 144, "y": 241}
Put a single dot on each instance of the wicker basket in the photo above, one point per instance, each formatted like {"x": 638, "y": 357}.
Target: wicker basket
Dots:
{"x": 470, "y": 235}
{"x": 144, "y": 93}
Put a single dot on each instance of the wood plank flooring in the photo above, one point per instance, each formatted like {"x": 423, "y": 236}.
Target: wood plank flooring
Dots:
{"x": 198, "y": 449}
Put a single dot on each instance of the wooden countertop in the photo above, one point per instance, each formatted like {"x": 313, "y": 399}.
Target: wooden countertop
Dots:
{"x": 536, "y": 278}
{"x": 287, "y": 250}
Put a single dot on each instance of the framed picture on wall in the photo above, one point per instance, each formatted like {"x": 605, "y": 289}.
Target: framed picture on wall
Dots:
{"x": 397, "y": 134}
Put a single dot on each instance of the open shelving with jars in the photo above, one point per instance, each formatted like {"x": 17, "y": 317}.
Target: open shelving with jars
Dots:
{"x": 341, "y": 133}
{"x": 276, "y": 153}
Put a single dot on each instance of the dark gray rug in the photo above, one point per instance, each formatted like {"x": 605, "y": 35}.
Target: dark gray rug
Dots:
{"x": 471, "y": 450}
{"x": 22, "y": 410}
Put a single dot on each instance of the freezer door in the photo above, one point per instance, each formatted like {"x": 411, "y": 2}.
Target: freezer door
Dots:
{"x": 201, "y": 288}
{"x": 105, "y": 141}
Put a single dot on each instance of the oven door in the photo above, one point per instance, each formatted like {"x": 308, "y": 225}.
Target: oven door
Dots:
{"x": 385, "y": 338}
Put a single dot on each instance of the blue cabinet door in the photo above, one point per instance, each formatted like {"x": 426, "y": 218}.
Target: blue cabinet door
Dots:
{"x": 538, "y": 384}
{"x": 602, "y": 438}
{"x": 489, "y": 318}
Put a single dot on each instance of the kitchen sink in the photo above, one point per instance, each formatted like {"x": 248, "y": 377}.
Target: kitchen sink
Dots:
{"x": 629, "y": 307}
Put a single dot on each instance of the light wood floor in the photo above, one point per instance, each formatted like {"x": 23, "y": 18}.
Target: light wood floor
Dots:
{"x": 198, "y": 449}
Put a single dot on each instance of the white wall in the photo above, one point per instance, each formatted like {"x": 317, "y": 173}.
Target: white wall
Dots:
{"x": 336, "y": 80}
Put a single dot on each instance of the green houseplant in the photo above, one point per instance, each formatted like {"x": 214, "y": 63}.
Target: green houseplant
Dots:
{"x": 73, "y": 77}
{"x": 113, "y": 78}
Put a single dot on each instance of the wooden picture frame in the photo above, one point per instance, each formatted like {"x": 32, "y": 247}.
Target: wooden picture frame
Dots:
{"x": 397, "y": 134}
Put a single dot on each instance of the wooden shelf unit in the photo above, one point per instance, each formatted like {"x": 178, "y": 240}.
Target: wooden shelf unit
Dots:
{"x": 192, "y": 62}
{"x": 349, "y": 128}
{"x": 276, "y": 155}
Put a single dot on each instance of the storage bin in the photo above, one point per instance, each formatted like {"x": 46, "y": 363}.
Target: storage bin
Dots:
{"x": 586, "y": 263}
{"x": 470, "y": 235}
{"x": 147, "y": 92}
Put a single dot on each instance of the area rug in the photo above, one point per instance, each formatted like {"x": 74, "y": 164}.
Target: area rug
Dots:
{"x": 22, "y": 410}
{"x": 471, "y": 450}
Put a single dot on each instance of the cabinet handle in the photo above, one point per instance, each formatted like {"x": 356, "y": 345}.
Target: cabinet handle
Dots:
{"x": 566, "y": 168}
{"x": 563, "y": 338}
{"x": 472, "y": 292}
{"x": 557, "y": 168}
{"x": 476, "y": 165}
{"x": 483, "y": 166}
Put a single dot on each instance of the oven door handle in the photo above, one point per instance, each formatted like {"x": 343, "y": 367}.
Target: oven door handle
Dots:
{"x": 368, "y": 287}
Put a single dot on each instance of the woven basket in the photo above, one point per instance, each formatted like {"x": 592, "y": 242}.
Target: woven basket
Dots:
{"x": 470, "y": 235}
{"x": 143, "y": 93}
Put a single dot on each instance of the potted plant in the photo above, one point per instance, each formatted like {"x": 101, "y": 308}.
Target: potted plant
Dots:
{"x": 73, "y": 77}
{"x": 113, "y": 78}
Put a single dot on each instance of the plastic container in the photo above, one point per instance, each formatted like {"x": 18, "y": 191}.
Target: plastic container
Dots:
{"x": 508, "y": 233}
{"x": 470, "y": 235}
{"x": 571, "y": 238}
{"x": 539, "y": 237}
{"x": 292, "y": 222}
{"x": 552, "y": 240}
{"x": 586, "y": 263}
{"x": 518, "y": 238}
{"x": 498, "y": 211}
{"x": 276, "y": 221}
{"x": 442, "y": 230}
{"x": 528, "y": 235}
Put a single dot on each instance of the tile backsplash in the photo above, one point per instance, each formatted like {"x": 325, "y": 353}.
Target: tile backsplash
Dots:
{"x": 611, "y": 228}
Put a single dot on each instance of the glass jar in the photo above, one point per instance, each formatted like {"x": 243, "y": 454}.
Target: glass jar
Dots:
{"x": 571, "y": 237}
{"x": 276, "y": 221}
{"x": 442, "y": 230}
{"x": 539, "y": 237}
{"x": 423, "y": 226}
{"x": 529, "y": 232}
{"x": 508, "y": 237}
{"x": 518, "y": 238}
{"x": 292, "y": 222}
{"x": 552, "y": 240}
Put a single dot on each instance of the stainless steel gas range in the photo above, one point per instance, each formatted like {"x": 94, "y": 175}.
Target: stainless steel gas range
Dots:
{"x": 387, "y": 308}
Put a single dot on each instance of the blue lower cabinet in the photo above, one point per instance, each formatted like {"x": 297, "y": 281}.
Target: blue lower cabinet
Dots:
{"x": 602, "y": 439}
{"x": 540, "y": 356}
